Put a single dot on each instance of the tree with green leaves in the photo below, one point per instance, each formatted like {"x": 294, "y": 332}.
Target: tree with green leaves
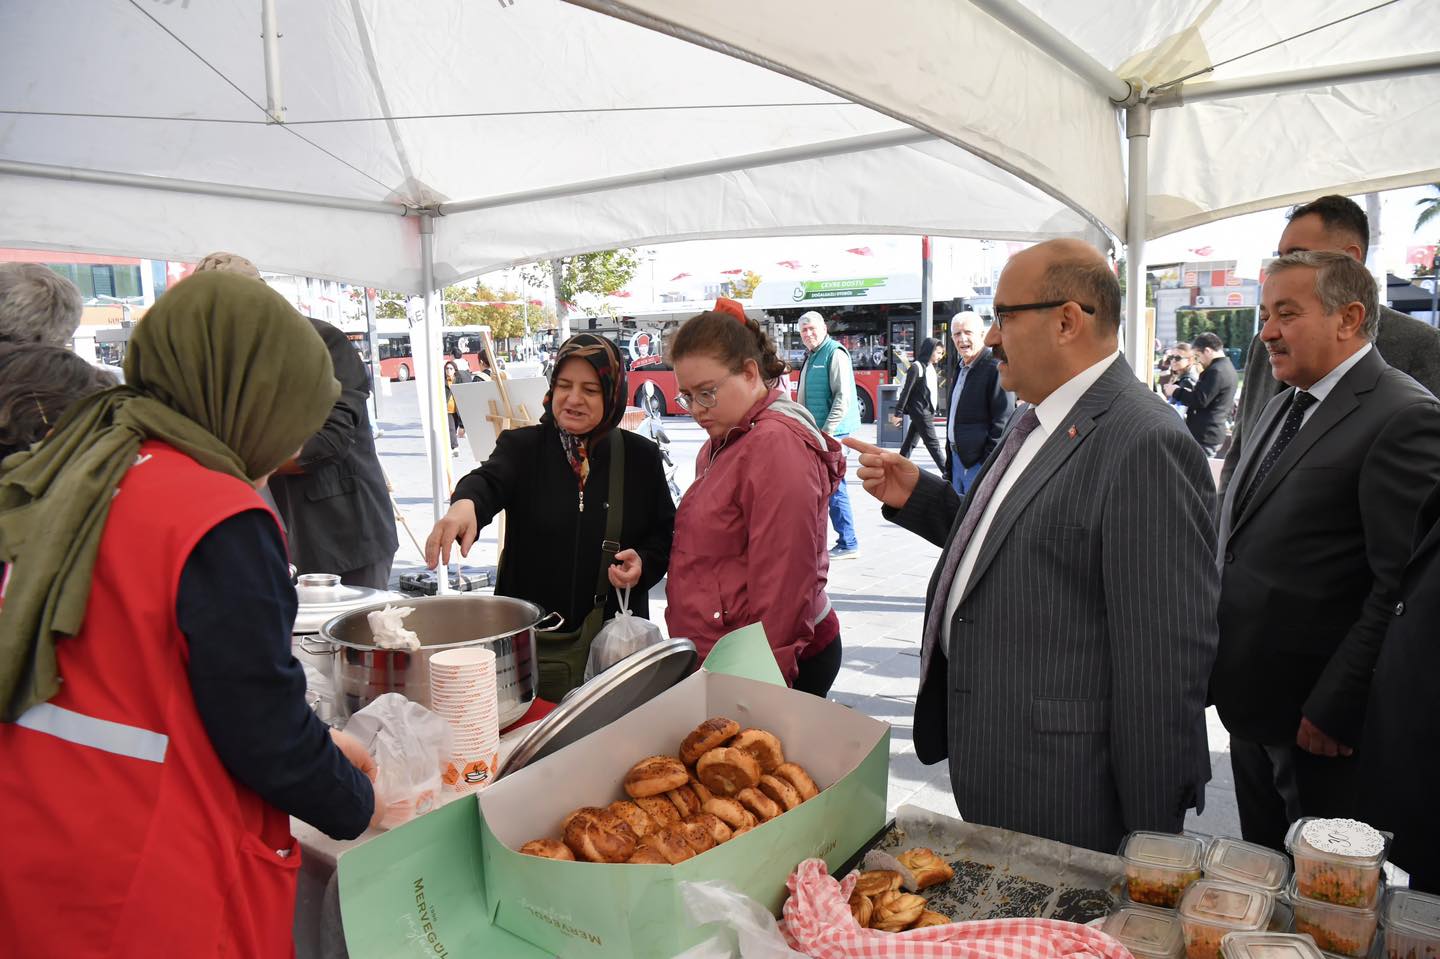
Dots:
{"x": 744, "y": 288}
{"x": 389, "y": 305}
{"x": 1429, "y": 208}
{"x": 599, "y": 274}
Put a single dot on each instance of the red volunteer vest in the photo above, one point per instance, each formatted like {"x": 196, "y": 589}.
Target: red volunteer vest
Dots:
{"x": 124, "y": 836}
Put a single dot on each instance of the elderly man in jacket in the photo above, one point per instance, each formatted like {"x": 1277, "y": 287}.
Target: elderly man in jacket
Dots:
{"x": 827, "y": 390}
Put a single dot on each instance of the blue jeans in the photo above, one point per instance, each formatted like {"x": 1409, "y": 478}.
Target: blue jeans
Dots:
{"x": 841, "y": 516}
{"x": 961, "y": 477}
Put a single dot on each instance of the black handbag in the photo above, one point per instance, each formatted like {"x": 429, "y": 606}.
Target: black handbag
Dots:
{"x": 562, "y": 656}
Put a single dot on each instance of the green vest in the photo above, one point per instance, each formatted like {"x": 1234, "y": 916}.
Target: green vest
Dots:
{"x": 818, "y": 395}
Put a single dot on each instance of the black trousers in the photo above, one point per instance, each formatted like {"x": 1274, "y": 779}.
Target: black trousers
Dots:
{"x": 1276, "y": 785}
{"x": 817, "y": 674}
{"x": 923, "y": 428}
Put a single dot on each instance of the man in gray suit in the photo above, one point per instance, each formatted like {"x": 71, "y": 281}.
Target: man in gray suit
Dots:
{"x": 1315, "y": 533}
{"x": 1065, "y": 708}
{"x": 1338, "y": 225}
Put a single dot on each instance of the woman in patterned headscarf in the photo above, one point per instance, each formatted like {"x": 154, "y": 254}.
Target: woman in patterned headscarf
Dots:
{"x": 553, "y": 482}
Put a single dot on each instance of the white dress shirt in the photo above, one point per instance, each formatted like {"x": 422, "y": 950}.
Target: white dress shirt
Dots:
{"x": 1052, "y": 413}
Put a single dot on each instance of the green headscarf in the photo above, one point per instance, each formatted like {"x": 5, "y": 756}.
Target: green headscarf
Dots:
{"x": 223, "y": 369}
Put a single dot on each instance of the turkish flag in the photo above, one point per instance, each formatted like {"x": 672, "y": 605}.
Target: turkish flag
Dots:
{"x": 1420, "y": 255}
{"x": 731, "y": 272}
{"x": 1203, "y": 250}
{"x": 678, "y": 276}
{"x": 621, "y": 293}
{"x": 860, "y": 251}
{"x": 788, "y": 264}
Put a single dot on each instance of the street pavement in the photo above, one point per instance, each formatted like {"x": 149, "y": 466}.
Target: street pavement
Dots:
{"x": 880, "y": 598}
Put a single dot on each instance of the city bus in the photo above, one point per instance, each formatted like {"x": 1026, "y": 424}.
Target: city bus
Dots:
{"x": 397, "y": 359}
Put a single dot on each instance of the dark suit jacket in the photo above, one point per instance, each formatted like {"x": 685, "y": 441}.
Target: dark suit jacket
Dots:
{"x": 1066, "y": 708}
{"x": 1311, "y": 570}
{"x": 338, "y": 512}
{"x": 1398, "y": 772}
{"x": 914, "y": 399}
{"x": 980, "y": 415}
{"x": 1207, "y": 403}
{"x": 1410, "y": 345}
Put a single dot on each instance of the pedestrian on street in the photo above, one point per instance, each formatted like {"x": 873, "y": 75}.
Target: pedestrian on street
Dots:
{"x": 827, "y": 390}
{"x": 1207, "y": 403}
{"x": 979, "y": 407}
{"x": 918, "y": 400}
{"x": 750, "y": 531}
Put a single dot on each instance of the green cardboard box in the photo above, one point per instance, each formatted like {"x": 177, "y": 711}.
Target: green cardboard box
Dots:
{"x": 451, "y": 883}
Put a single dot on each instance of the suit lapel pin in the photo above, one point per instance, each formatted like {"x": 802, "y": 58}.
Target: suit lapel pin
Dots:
{"x": 1071, "y": 432}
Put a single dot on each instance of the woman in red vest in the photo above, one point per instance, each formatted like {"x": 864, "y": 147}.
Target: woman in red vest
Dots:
{"x": 155, "y": 733}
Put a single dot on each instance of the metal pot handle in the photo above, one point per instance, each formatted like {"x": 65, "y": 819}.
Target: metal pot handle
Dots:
{"x": 559, "y": 621}
{"x": 320, "y": 647}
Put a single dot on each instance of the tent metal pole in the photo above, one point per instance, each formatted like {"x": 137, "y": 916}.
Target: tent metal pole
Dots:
{"x": 1416, "y": 65}
{"x": 270, "y": 31}
{"x": 1137, "y": 132}
{"x": 47, "y": 171}
{"x": 432, "y": 389}
{"x": 1020, "y": 19}
{"x": 877, "y": 141}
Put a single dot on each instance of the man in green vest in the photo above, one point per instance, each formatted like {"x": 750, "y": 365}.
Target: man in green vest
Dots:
{"x": 827, "y": 390}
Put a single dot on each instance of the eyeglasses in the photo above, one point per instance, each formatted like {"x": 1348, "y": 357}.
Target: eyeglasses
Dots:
{"x": 1001, "y": 311}
{"x": 705, "y": 398}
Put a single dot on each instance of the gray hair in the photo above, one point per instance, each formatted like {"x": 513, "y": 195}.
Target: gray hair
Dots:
{"x": 964, "y": 315}
{"x": 809, "y": 317}
{"x": 1339, "y": 281}
{"x": 37, "y": 305}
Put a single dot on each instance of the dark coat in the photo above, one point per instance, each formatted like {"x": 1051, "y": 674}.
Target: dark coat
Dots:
{"x": 1399, "y": 775}
{"x": 980, "y": 417}
{"x": 337, "y": 512}
{"x": 1310, "y": 571}
{"x": 1411, "y": 346}
{"x": 1207, "y": 403}
{"x": 551, "y": 552}
{"x": 914, "y": 399}
{"x": 1064, "y": 711}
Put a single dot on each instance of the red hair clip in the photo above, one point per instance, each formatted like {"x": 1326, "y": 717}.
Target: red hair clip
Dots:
{"x": 733, "y": 307}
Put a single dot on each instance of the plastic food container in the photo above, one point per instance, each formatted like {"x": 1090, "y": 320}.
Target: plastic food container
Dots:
{"x": 1247, "y": 863}
{"x": 1344, "y": 930}
{"x": 1159, "y": 866}
{"x": 1213, "y": 908}
{"x": 1268, "y": 945}
{"x": 1337, "y": 860}
{"x": 1148, "y": 933}
{"x": 1412, "y": 925}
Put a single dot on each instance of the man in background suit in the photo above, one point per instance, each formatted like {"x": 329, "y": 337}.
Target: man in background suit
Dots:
{"x": 1338, "y": 225}
{"x": 1207, "y": 403}
{"x": 978, "y": 407}
{"x": 1399, "y": 777}
{"x": 1315, "y": 530}
{"x": 1064, "y": 711}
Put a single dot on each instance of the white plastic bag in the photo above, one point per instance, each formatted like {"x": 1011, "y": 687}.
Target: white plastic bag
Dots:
{"x": 623, "y": 636}
{"x": 746, "y": 928}
{"x": 409, "y": 742}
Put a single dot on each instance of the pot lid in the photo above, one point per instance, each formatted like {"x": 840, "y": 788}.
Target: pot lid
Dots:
{"x": 630, "y": 683}
{"x": 320, "y": 605}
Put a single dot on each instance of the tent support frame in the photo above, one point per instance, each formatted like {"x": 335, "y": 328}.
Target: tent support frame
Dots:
{"x": 432, "y": 385}
{"x": 270, "y": 32}
{"x": 1409, "y": 66}
{"x": 1034, "y": 29}
{"x": 1137, "y": 133}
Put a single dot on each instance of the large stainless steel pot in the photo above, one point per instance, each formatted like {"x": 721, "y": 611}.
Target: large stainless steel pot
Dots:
{"x": 362, "y": 672}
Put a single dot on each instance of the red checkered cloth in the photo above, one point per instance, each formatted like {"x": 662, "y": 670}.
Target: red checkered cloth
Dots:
{"x": 817, "y": 922}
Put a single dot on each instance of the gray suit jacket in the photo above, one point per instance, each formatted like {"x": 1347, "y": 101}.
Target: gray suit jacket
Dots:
{"x": 1072, "y": 703}
{"x": 1411, "y": 346}
{"x": 1310, "y": 572}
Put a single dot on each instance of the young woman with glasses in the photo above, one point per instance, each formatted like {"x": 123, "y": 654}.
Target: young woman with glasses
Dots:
{"x": 750, "y": 534}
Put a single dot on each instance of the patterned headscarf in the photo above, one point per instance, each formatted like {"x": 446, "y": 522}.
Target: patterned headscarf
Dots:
{"x": 602, "y": 354}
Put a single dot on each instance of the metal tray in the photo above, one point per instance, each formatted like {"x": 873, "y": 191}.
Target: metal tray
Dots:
{"x": 630, "y": 683}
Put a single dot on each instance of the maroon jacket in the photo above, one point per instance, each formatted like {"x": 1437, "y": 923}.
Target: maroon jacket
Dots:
{"x": 750, "y": 534}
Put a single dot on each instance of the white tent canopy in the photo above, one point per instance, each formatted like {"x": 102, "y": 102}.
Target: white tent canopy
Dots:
{"x": 507, "y": 119}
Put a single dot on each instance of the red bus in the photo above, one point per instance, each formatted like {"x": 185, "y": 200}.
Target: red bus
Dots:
{"x": 397, "y": 359}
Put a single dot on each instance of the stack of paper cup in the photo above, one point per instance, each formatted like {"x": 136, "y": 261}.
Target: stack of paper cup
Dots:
{"x": 462, "y": 690}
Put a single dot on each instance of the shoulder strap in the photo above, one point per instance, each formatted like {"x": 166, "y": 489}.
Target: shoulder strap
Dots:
{"x": 614, "y": 519}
